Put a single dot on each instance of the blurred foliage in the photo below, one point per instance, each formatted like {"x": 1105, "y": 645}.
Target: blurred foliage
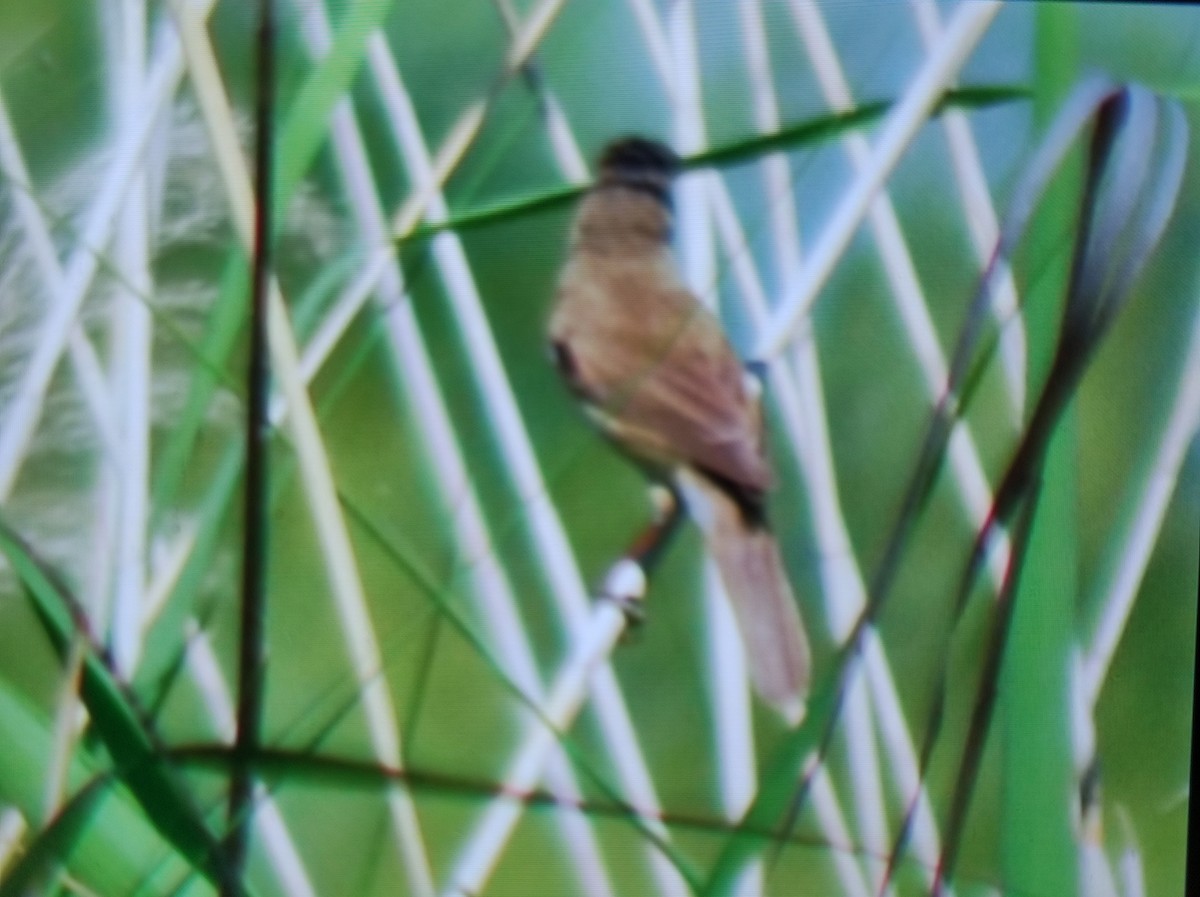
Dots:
{"x": 457, "y": 718}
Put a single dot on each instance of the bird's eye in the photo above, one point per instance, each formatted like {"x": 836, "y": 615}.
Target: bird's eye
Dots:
{"x": 564, "y": 360}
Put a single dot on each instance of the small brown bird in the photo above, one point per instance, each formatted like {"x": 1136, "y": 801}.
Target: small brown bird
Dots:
{"x": 654, "y": 369}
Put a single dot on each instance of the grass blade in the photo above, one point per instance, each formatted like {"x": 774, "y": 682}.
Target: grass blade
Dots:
{"x": 802, "y": 134}
{"x": 54, "y": 843}
{"x": 139, "y": 758}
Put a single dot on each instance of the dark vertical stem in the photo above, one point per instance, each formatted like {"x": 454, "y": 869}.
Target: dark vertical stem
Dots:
{"x": 254, "y": 536}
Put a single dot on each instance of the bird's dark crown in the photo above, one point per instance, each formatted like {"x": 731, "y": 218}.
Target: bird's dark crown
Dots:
{"x": 633, "y": 156}
{"x": 636, "y": 163}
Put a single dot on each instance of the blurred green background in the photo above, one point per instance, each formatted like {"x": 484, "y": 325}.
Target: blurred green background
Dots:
{"x": 458, "y": 720}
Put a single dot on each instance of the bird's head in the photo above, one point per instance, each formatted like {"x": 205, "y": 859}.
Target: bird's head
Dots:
{"x": 640, "y": 164}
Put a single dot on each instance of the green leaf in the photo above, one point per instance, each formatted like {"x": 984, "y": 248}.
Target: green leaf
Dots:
{"x": 801, "y": 134}
{"x": 1038, "y": 848}
{"x": 304, "y": 131}
{"x": 139, "y": 759}
{"x": 1038, "y": 852}
{"x": 783, "y": 786}
{"x": 55, "y": 843}
{"x": 306, "y": 127}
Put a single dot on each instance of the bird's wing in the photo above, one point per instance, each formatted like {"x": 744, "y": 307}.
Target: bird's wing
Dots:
{"x": 666, "y": 383}
{"x": 695, "y": 396}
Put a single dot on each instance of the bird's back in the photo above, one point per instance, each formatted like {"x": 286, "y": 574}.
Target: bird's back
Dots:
{"x": 645, "y": 353}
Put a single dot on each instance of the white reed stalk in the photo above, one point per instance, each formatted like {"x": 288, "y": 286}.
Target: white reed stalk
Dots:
{"x": 660, "y": 49}
{"x": 69, "y": 715}
{"x": 845, "y": 596}
{"x": 982, "y": 225}
{"x": 132, "y": 335}
{"x": 92, "y": 385}
{"x": 493, "y": 591}
{"x": 22, "y": 414}
{"x": 454, "y": 147}
{"x": 796, "y": 384}
{"x": 967, "y": 26}
{"x": 466, "y": 128}
{"x": 68, "y": 724}
{"x": 168, "y": 560}
{"x": 1082, "y": 725}
{"x": 90, "y": 377}
{"x": 494, "y": 828}
{"x": 776, "y": 172}
{"x": 733, "y": 730}
{"x": 1096, "y": 874}
{"x": 337, "y": 321}
{"x": 12, "y": 830}
{"x": 551, "y": 547}
{"x": 316, "y": 477}
{"x": 844, "y": 589}
{"x": 727, "y": 677}
{"x": 972, "y": 484}
{"x": 89, "y": 373}
{"x": 1139, "y": 539}
{"x": 281, "y": 853}
{"x": 562, "y": 140}
{"x": 528, "y": 36}
{"x": 833, "y": 826}
{"x": 1130, "y": 869}
{"x": 845, "y": 599}
{"x": 833, "y": 542}
{"x": 924, "y": 838}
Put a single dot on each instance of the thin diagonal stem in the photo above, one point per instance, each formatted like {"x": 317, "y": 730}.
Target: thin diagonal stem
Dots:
{"x": 906, "y": 292}
{"x": 982, "y": 224}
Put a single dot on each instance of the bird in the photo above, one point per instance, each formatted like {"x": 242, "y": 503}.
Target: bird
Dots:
{"x": 654, "y": 370}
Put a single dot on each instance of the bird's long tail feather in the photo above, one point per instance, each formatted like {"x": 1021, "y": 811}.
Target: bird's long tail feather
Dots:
{"x": 747, "y": 556}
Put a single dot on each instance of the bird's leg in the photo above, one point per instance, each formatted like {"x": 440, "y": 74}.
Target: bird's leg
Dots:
{"x": 625, "y": 583}
{"x": 654, "y": 539}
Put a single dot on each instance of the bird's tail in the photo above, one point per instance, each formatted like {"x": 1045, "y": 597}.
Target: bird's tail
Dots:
{"x": 747, "y": 557}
